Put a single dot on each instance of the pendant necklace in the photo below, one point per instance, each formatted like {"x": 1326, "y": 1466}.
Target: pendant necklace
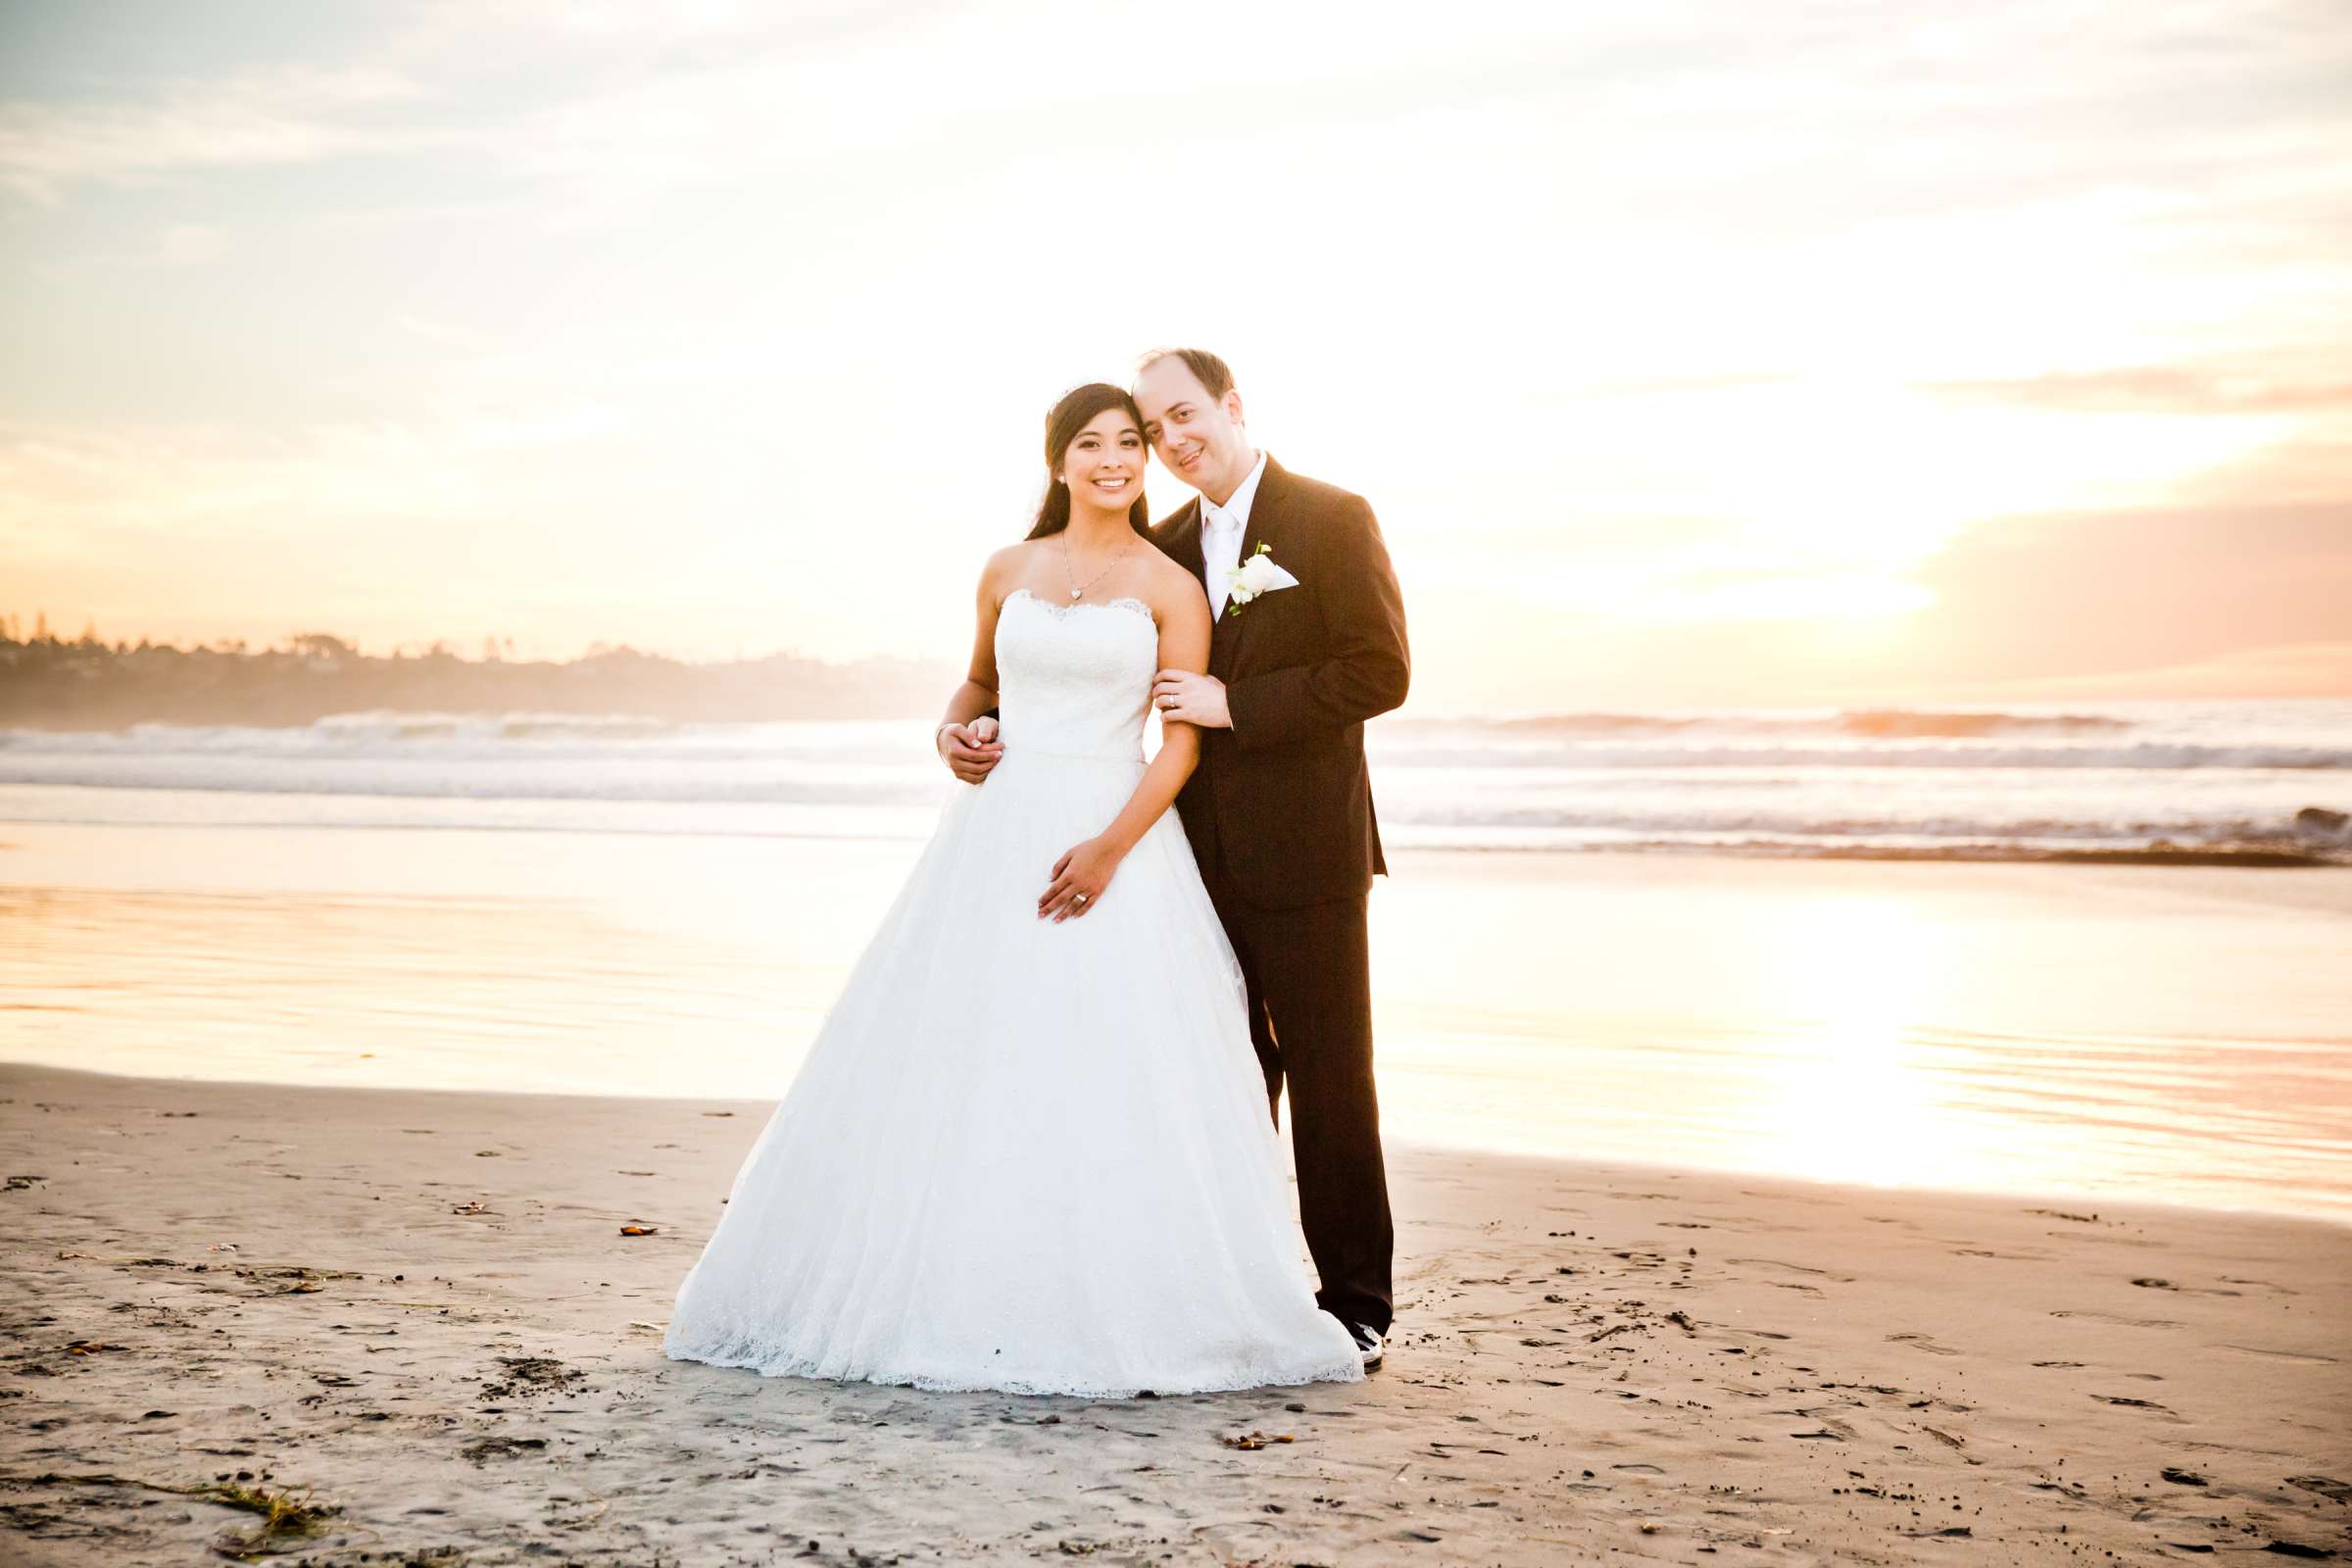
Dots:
{"x": 1078, "y": 588}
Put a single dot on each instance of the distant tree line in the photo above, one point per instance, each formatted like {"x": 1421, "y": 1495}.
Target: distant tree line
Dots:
{"x": 48, "y": 682}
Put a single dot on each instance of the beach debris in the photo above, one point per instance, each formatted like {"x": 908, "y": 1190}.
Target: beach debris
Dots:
{"x": 18, "y": 1184}
{"x": 641, "y": 1230}
{"x": 2183, "y": 1478}
{"x": 1255, "y": 1440}
{"x": 532, "y": 1374}
{"x": 90, "y": 1347}
{"x": 472, "y": 1205}
{"x": 501, "y": 1447}
{"x": 719, "y": 1113}
{"x": 285, "y": 1513}
{"x": 2327, "y": 1487}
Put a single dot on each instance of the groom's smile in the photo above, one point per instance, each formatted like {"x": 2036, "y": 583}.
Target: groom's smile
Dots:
{"x": 1199, "y": 434}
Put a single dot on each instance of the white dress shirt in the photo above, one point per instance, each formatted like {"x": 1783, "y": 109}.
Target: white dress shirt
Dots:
{"x": 1221, "y": 530}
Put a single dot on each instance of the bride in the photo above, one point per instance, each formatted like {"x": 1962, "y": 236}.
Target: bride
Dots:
{"x": 1029, "y": 1149}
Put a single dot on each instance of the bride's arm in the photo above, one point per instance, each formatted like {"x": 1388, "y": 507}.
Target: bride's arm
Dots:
{"x": 969, "y": 755}
{"x": 1087, "y": 868}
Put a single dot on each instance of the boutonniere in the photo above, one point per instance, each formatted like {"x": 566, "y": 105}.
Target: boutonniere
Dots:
{"x": 1257, "y": 576}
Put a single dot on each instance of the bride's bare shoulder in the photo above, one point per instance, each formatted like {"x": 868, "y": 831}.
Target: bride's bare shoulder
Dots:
{"x": 1007, "y": 569}
{"x": 1173, "y": 592}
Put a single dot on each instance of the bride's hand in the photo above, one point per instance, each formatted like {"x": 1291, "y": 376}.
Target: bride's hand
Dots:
{"x": 1079, "y": 878}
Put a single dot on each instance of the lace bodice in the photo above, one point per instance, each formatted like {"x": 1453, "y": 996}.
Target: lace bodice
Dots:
{"x": 1075, "y": 680}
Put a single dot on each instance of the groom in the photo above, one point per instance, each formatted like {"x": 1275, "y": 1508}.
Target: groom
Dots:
{"x": 1279, "y": 809}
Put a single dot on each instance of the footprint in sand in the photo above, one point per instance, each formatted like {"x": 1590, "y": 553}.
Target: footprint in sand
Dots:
{"x": 2126, "y": 1322}
{"x": 1923, "y": 1343}
{"x": 2154, "y": 1283}
{"x": 2282, "y": 1355}
{"x": 2139, "y": 1404}
{"x": 1793, "y": 1268}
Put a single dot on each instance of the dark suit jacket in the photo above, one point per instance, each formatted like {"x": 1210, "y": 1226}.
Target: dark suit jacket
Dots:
{"x": 1282, "y": 801}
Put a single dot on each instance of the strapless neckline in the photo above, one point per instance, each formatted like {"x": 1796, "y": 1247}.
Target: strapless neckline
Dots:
{"x": 1062, "y": 612}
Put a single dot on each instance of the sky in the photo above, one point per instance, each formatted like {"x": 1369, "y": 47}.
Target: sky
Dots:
{"x": 1690, "y": 354}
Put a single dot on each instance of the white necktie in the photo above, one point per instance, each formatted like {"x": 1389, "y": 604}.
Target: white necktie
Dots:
{"x": 1221, "y": 553}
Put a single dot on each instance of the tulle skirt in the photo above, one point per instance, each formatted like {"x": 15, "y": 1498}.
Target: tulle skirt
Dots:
{"x": 1024, "y": 1155}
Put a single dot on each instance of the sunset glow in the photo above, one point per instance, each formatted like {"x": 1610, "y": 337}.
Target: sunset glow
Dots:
{"x": 1693, "y": 359}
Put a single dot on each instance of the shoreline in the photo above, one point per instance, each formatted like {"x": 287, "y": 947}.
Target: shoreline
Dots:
{"x": 417, "y": 1304}
{"x": 2095, "y": 1205}
{"x": 2081, "y": 1030}
{"x": 2281, "y": 852}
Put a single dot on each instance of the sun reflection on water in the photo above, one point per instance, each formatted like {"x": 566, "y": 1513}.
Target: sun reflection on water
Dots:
{"x": 1850, "y": 1102}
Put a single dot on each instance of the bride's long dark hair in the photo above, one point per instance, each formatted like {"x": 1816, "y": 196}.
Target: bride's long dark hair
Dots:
{"x": 1073, "y": 414}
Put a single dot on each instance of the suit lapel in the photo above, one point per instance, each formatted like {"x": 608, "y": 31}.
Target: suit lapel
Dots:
{"x": 1183, "y": 540}
{"x": 1264, "y": 527}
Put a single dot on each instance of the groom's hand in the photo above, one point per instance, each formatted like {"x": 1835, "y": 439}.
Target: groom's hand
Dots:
{"x": 970, "y": 750}
{"x": 1191, "y": 698}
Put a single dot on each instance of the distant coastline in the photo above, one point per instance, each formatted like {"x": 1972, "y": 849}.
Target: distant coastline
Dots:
{"x": 87, "y": 684}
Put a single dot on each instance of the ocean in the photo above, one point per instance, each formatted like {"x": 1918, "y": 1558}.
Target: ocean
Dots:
{"x": 2154, "y": 780}
{"x": 1862, "y": 947}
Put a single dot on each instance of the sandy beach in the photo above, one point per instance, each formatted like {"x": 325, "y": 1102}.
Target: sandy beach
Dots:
{"x": 419, "y": 1312}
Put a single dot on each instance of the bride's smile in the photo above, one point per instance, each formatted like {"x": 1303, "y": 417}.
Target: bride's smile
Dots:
{"x": 1104, "y": 468}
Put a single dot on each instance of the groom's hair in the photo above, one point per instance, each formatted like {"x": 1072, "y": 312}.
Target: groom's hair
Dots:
{"x": 1213, "y": 374}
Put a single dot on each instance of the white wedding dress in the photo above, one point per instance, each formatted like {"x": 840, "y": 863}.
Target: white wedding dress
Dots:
{"x": 1026, "y": 1156}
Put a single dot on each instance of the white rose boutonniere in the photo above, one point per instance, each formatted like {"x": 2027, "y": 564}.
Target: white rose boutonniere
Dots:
{"x": 1257, "y": 576}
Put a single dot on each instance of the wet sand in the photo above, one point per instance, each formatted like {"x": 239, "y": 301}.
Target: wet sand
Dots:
{"x": 418, "y": 1310}
{"x": 2168, "y": 1034}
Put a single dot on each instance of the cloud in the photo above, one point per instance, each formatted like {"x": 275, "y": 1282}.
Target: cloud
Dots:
{"x": 281, "y": 115}
{"x": 2284, "y": 669}
{"x": 2074, "y": 594}
{"x": 2152, "y": 389}
{"x": 190, "y": 244}
{"x": 77, "y": 495}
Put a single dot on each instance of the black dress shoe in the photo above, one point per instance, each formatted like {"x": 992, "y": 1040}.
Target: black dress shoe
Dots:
{"x": 1369, "y": 1342}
